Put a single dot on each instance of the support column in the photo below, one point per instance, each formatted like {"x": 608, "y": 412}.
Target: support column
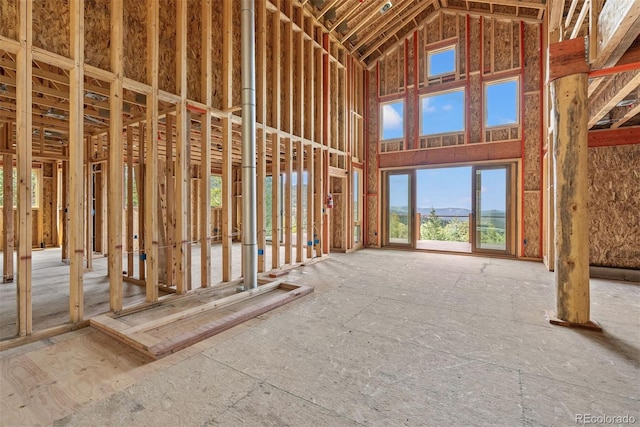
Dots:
{"x": 205, "y": 163}
{"x": 116, "y": 159}
{"x": 23, "y": 147}
{"x": 227, "y": 142}
{"x": 76, "y": 160}
{"x": 568, "y": 76}
{"x": 151, "y": 154}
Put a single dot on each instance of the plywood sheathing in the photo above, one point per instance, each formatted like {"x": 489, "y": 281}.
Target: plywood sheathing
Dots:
{"x": 237, "y": 58}
{"x": 614, "y": 203}
{"x": 475, "y": 109}
{"x": 532, "y": 152}
{"x": 371, "y": 187}
{"x": 9, "y": 19}
{"x": 51, "y": 20}
{"x": 216, "y": 60}
{"x": 474, "y": 40}
{"x": 503, "y": 31}
{"x": 167, "y": 56}
{"x": 135, "y": 39}
{"x": 532, "y": 58}
{"x": 97, "y": 39}
{"x": 194, "y": 50}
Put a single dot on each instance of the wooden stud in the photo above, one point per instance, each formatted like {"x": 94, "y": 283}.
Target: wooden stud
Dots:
{"x": 170, "y": 252}
{"x": 8, "y": 234}
{"x": 319, "y": 201}
{"x": 114, "y": 200}
{"x": 151, "y": 187}
{"x": 288, "y": 173}
{"x": 138, "y": 170}
{"x": 76, "y": 160}
{"x": 227, "y": 143}
{"x": 299, "y": 208}
{"x": 310, "y": 201}
{"x": 24, "y": 145}
{"x": 182, "y": 141}
{"x": 130, "y": 231}
{"x": 205, "y": 163}
{"x": 275, "y": 198}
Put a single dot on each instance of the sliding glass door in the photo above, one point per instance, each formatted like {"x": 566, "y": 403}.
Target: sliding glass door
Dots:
{"x": 491, "y": 206}
{"x": 399, "y": 209}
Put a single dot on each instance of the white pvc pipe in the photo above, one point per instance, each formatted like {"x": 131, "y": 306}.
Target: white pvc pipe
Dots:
{"x": 249, "y": 214}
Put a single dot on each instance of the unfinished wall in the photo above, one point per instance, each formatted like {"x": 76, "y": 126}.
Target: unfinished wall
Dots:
{"x": 97, "y": 30}
{"x": 488, "y": 49}
{"x": 51, "y": 26}
{"x": 9, "y": 19}
{"x": 614, "y": 203}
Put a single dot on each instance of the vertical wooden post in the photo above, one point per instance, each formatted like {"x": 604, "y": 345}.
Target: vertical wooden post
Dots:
{"x": 24, "y": 146}
{"x": 116, "y": 158}
{"x": 7, "y": 207}
{"x": 310, "y": 200}
{"x": 276, "y": 82}
{"x": 227, "y": 142}
{"x": 171, "y": 208}
{"x": 568, "y": 74}
{"x": 151, "y": 155}
{"x": 299, "y": 208}
{"x": 65, "y": 205}
{"x": 89, "y": 212}
{"x": 288, "y": 173}
{"x": 182, "y": 142}
{"x": 205, "y": 163}
{"x": 76, "y": 160}
{"x": 130, "y": 223}
{"x": 319, "y": 200}
{"x": 275, "y": 198}
{"x": 99, "y": 210}
{"x": 139, "y": 170}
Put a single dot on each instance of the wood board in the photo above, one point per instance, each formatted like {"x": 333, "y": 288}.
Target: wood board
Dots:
{"x": 202, "y": 321}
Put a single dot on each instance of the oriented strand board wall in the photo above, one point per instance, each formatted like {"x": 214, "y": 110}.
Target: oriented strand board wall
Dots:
{"x": 51, "y": 26}
{"x": 371, "y": 186}
{"x": 614, "y": 206}
{"x": 97, "y": 31}
{"x": 194, "y": 50}
{"x": 9, "y": 19}
{"x": 167, "y": 72}
{"x": 135, "y": 36}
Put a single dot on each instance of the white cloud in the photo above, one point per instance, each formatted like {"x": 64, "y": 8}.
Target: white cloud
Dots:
{"x": 391, "y": 120}
{"x": 426, "y": 107}
{"x": 447, "y": 107}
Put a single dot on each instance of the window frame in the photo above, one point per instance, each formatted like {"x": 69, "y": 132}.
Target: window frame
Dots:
{"x": 485, "y": 102}
{"x": 381, "y": 118}
{"x": 454, "y": 47}
{"x": 444, "y": 92}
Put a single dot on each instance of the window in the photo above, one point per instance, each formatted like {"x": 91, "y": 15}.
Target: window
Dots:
{"x": 392, "y": 120}
{"x": 501, "y": 103}
{"x": 442, "y": 112}
{"x": 35, "y": 187}
{"x": 441, "y": 61}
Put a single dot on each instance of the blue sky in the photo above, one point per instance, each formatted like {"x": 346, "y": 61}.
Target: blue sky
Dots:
{"x": 450, "y": 188}
{"x": 442, "y": 113}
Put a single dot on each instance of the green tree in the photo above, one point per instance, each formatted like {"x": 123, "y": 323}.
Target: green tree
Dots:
{"x": 432, "y": 228}
{"x": 456, "y": 231}
{"x": 397, "y": 230}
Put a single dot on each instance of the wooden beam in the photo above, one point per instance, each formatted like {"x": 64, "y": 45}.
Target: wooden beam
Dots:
{"x": 566, "y": 58}
{"x": 170, "y": 210}
{"x": 454, "y": 154}
{"x": 76, "y": 160}
{"x": 318, "y": 186}
{"x": 116, "y": 158}
{"x": 610, "y": 137}
{"x": 130, "y": 178}
{"x": 205, "y": 148}
{"x": 227, "y": 142}
{"x": 182, "y": 141}
{"x": 380, "y": 22}
{"x": 151, "y": 154}
{"x": 618, "y": 28}
{"x": 618, "y": 88}
{"x": 583, "y": 14}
